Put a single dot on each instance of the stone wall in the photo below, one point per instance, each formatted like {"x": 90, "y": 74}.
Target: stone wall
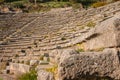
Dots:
{"x": 17, "y": 68}
{"x": 91, "y": 64}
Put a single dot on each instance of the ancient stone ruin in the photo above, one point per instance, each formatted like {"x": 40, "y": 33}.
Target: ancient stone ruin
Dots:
{"x": 63, "y": 44}
{"x": 105, "y": 35}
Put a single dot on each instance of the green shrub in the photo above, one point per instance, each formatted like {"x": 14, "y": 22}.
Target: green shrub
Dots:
{"x": 11, "y": 0}
{"x": 80, "y": 50}
{"x": 28, "y": 76}
{"x": 52, "y": 69}
{"x": 116, "y": 0}
{"x": 73, "y": 1}
{"x": 76, "y": 6}
{"x": 91, "y": 24}
{"x": 58, "y": 4}
{"x": 18, "y": 4}
{"x": 1, "y": 1}
{"x": 1, "y": 79}
{"x": 98, "y": 4}
{"x": 80, "y": 47}
{"x": 47, "y": 6}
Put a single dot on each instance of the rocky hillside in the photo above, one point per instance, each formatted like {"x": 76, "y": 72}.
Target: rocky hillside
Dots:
{"x": 62, "y": 44}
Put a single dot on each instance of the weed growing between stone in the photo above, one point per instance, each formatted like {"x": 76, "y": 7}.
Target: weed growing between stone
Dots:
{"x": 32, "y": 75}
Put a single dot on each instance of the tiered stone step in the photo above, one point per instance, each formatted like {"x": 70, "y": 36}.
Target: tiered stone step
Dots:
{"x": 14, "y": 22}
{"x": 45, "y": 33}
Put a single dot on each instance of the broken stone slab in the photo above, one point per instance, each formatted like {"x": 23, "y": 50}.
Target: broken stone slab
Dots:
{"x": 43, "y": 62}
{"x": 17, "y": 68}
{"x": 43, "y": 67}
{"x": 34, "y": 62}
{"x": 57, "y": 55}
{"x": 90, "y": 64}
{"x": 44, "y": 75}
{"x": 22, "y": 54}
{"x": 105, "y": 35}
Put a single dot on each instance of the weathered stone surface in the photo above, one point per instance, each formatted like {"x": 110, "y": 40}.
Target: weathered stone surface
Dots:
{"x": 44, "y": 75}
{"x": 96, "y": 64}
{"x": 59, "y": 55}
{"x": 66, "y": 53}
{"x": 34, "y": 62}
{"x": 65, "y": 23}
{"x": 19, "y": 68}
{"x": 22, "y": 54}
{"x": 105, "y": 34}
